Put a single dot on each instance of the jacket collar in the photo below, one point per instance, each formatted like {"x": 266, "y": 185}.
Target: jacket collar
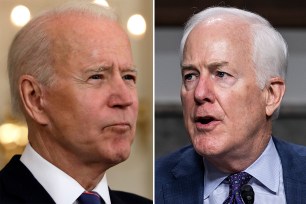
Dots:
{"x": 188, "y": 185}
{"x": 17, "y": 179}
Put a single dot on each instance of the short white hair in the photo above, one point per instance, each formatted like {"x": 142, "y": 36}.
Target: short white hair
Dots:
{"x": 270, "y": 52}
{"x": 30, "y": 52}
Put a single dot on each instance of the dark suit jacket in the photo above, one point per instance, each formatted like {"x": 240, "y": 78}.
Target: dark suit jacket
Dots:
{"x": 179, "y": 176}
{"x": 18, "y": 185}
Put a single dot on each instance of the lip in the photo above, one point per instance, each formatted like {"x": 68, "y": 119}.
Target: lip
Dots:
{"x": 206, "y": 126}
{"x": 119, "y": 125}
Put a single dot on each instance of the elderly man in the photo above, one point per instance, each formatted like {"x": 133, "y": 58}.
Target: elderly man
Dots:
{"x": 72, "y": 76}
{"x": 233, "y": 68}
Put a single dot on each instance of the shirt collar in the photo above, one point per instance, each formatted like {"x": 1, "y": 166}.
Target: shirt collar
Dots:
{"x": 212, "y": 178}
{"x": 60, "y": 186}
{"x": 266, "y": 169}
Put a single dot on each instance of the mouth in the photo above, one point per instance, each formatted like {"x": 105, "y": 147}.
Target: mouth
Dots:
{"x": 120, "y": 125}
{"x": 204, "y": 120}
{"x": 206, "y": 123}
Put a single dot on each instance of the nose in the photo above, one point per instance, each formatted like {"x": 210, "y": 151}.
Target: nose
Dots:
{"x": 121, "y": 94}
{"x": 204, "y": 91}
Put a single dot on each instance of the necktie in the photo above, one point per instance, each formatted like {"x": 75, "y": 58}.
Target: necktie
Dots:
{"x": 90, "y": 197}
{"x": 236, "y": 181}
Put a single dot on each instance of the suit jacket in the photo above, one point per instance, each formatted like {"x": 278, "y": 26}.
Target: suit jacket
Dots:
{"x": 179, "y": 176}
{"x": 18, "y": 185}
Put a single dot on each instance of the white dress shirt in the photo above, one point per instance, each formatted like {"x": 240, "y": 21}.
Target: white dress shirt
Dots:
{"x": 267, "y": 181}
{"x": 61, "y": 187}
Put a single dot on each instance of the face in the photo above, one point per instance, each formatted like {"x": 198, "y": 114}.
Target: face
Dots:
{"x": 92, "y": 105}
{"x": 224, "y": 109}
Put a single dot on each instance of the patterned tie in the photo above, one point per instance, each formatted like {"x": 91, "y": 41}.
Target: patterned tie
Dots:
{"x": 236, "y": 181}
{"x": 90, "y": 197}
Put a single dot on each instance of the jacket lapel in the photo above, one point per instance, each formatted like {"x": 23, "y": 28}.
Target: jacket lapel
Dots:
{"x": 22, "y": 185}
{"x": 187, "y": 186}
{"x": 114, "y": 198}
{"x": 293, "y": 158}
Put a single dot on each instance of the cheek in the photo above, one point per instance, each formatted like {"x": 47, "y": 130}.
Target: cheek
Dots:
{"x": 188, "y": 107}
{"x": 185, "y": 103}
{"x": 186, "y": 99}
{"x": 244, "y": 105}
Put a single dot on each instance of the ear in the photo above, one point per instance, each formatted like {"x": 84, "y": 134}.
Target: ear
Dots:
{"x": 31, "y": 96}
{"x": 275, "y": 92}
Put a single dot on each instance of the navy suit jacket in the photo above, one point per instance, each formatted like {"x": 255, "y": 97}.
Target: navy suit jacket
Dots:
{"x": 18, "y": 185}
{"x": 179, "y": 176}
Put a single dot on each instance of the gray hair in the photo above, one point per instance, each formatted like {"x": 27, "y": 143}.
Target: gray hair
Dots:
{"x": 30, "y": 52}
{"x": 270, "y": 52}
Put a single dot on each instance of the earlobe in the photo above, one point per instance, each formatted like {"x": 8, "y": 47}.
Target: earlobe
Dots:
{"x": 31, "y": 96}
{"x": 275, "y": 93}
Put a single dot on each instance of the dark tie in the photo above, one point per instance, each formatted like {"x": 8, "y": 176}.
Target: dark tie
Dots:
{"x": 90, "y": 197}
{"x": 236, "y": 181}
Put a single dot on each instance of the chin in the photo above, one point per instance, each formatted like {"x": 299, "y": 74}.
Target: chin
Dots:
{"x": 117, "y": 149}
{"x": 206, "y": 146}
{"x": 119, "y": 154}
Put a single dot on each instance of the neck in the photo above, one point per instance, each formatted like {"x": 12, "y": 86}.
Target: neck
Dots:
{"x": 87, "y": 173}
{"x": 241, "y": 159}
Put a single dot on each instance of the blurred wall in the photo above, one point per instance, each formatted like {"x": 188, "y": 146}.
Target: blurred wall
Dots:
{"x": 134, "y": 175}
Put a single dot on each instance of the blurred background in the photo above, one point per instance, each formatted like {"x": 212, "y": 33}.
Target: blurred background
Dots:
{"x": 289, "y": 17}
{"x": 134, "y": 175}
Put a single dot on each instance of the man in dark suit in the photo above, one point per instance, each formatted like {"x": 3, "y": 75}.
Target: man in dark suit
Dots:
{"x": 73, "y": 78}
{"x": 233, "y": 65}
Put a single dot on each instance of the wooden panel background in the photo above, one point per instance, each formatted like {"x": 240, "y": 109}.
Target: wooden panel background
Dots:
{"x": 281, "y": 13}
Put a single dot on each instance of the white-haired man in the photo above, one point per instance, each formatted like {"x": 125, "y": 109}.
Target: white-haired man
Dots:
{"x": 72, "y": 76}
{"x": 233, "y": 65}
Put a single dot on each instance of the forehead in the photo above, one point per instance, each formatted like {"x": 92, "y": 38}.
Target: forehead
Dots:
{"x": 233, "y": 31}
{"x": 220, "y": 41}
{"x": 86, "y": 38}
{"x": 80, "y": 29}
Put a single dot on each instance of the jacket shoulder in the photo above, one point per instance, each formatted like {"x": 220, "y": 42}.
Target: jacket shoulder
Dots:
{"x": 18, "y": 185}
{"x": 128, "y": 198}
{"x": 293, "y": 158}
{"x": 290, "y": 148}
{"x": 169, "y": 161}
{"x": 178, "y": 177}
{"x": 180, "y": 163}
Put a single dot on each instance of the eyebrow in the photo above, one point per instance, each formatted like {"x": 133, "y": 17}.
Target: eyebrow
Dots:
{"x": 218, "y": 64}
{"x": 108, "y": 68}
{"x": 212, "y": 64}
{"x": 131, "y": 69}
{"x": 98, "y": 69}
{"x": 187, "y": 66}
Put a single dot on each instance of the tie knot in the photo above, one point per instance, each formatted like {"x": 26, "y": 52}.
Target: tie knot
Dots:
{"x": 237, "y": 180}
{"x": 90, "y": 197}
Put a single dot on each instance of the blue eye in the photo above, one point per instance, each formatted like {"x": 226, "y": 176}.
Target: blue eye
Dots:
{"x": 189, "y": 77}
{"x": 221, "y": 74}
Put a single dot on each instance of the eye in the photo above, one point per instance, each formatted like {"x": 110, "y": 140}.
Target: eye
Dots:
{"x": 129, "y": 77}
{"x": 224, "y": 78}
{"x": 221, "y": 74}
{"x": 96, "y": 76}
{"x": 189, "y": 77}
